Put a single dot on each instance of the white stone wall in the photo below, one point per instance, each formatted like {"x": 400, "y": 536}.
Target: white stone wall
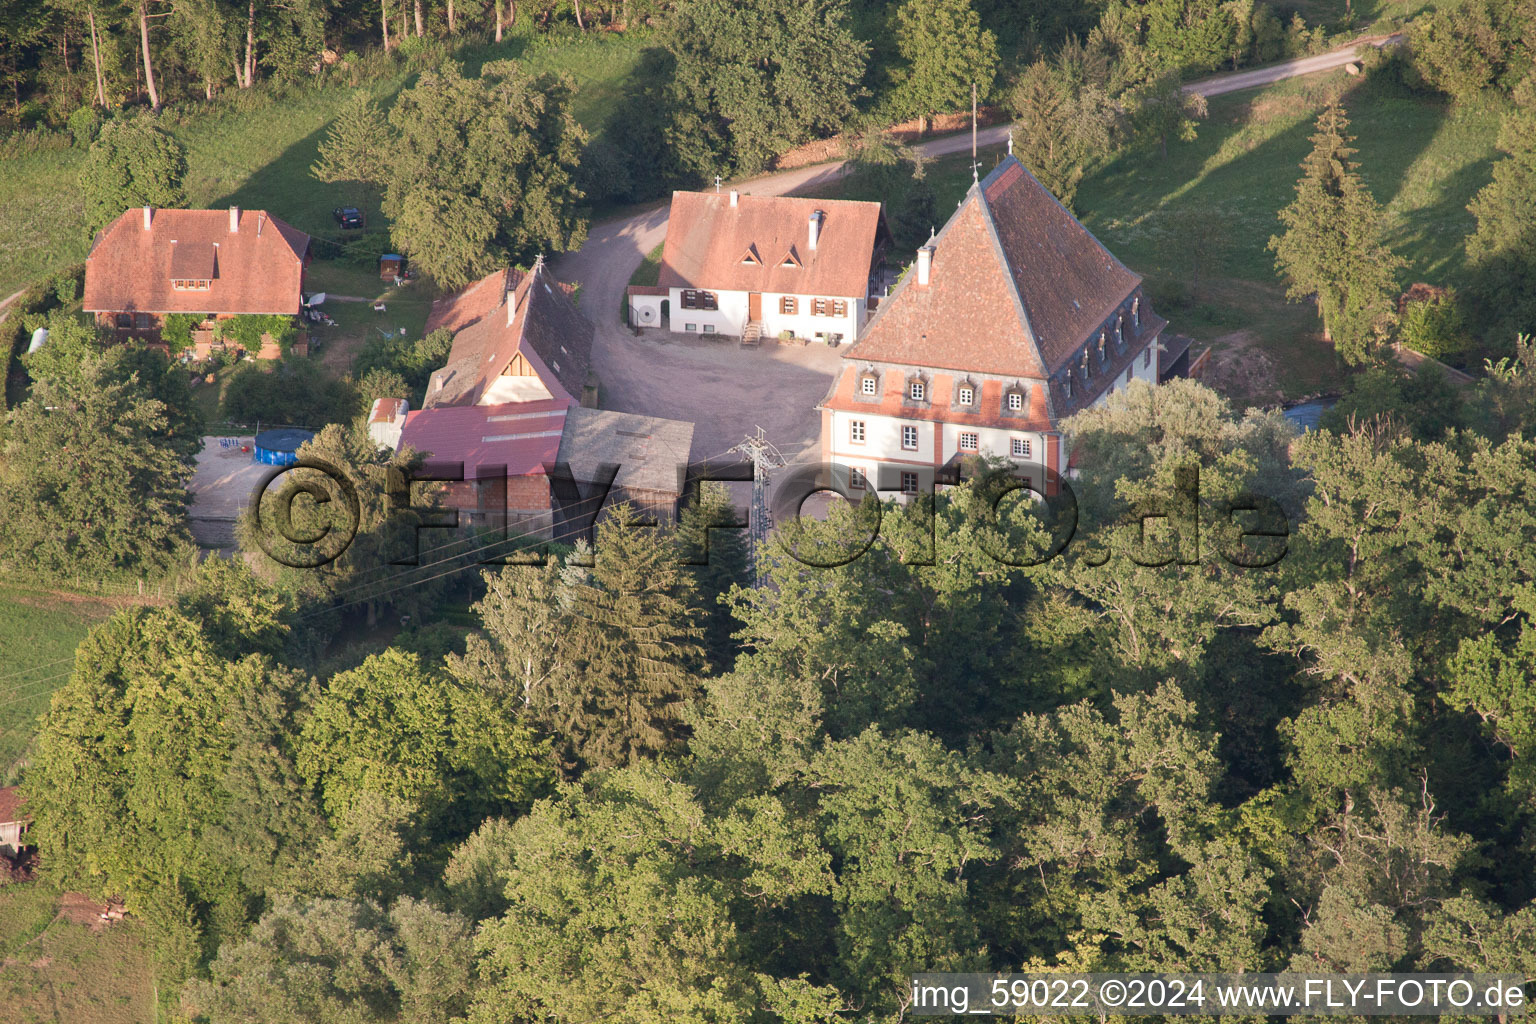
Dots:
{"x": 731, "y": 317}
{"x": 804, "y": 324}
{"x": 645, "y": 310}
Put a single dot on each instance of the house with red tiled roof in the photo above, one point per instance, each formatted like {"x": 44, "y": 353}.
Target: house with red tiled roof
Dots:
{"x": 1011, "y": 319}
{"x": 508, "y": 406}
{"x": 151, "y": 262}
{"x": 761, "y": 266}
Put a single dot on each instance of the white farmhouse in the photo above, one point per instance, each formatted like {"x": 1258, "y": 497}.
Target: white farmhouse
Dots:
{"x": 1013, "y": 318}
{"x": 759, "y": 266}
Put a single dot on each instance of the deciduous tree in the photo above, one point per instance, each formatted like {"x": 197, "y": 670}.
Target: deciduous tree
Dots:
{"x": 133, "y": 162}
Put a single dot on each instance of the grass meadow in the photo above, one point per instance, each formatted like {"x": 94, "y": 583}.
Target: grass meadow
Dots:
{"x": 56, "y": 970}
{"x": 39, "y": 631}
{"x": 255, "y": 149}
{"x": 1422, "y": 158}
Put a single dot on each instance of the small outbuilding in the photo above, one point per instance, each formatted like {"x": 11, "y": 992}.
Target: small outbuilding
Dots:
{"x": 14, "y": 821}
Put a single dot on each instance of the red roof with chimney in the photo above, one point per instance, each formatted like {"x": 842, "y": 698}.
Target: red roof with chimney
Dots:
{"x": 1018, "y": 287}
{"x": 544, "y": 328}
{"x": 252, "y": 262}
{"x": 763, "y": 244}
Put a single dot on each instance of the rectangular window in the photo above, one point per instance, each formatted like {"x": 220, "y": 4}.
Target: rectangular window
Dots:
{"x": 839, "y": 308}
{"x": 967, "y": 396}
{"x": 868, "y": 385}
{"x": 709, "y": 328}
{"x": 690, "y": 327}
{"x": 1146, "y": 357}
{"x": 856, "y": 431}
{"x": 908, "y": 483}
{"x": 690, "y": 299}
{"x": 1015, "y": 401}
{"x": 909, "y": 438}
{"x": 787, "y": 305}
{"x": 917, "y": 390}
{"x": 1019, "y": 447}
{"x": 709, "y": 300}
{"x": 819, "y": 307}
{"x": 856, "y": 479}
{"x": 124, "y": 320}
{"x": 142, "y": 321}
{"x": 969, "y": 442}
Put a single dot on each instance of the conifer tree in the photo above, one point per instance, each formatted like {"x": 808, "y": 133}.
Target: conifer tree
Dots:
{"x": 1503, "y": 248}
{"x": 637, "y": 643}
{"x": 1331, "y": 250}
{"x": 717, "y": 554}
{"x": 356, "y": 149}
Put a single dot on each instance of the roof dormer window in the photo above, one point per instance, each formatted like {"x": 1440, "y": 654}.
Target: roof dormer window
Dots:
{"x": 1101, "y": 346}
{"x": 790, "y": 259}
{"x": 869, "y": 385}
{"x": 188, "y": 285}
{"x": 1136, "y": 311}
{"x": 1119, "y": 329}
{"x": 750, "y": 258}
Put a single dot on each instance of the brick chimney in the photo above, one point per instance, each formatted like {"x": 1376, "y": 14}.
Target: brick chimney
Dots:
{"x": 511, "y": 305}
{"x": 234, "y": 220}
{"x": 924, "y": 264}
{"x": 149, "y": 215}
{"x": 815, "y": 228}
{"x": 735, "y": 198}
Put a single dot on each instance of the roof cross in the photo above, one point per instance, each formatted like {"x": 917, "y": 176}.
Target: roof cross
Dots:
{"x": 717, "y": 183}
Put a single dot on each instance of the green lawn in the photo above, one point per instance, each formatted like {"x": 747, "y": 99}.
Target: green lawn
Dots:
{"x": 57, "y": 971}
{"x": 1423, "y": 160}
{"x": 255, "y": 151}
{"x": 38, "y": 635}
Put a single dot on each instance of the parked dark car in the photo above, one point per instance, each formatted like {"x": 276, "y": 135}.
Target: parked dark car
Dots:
{"x": 348, "y": 216}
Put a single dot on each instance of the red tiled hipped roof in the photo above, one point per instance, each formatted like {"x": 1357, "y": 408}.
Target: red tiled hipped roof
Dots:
{"x": 522, "y": 436}
{"x": 257, "y": 268}
{"x": 708, "y": 242}
{"x": 1017, "y": 286}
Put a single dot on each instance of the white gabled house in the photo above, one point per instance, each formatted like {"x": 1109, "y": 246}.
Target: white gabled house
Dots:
{"x": 751, "y": 266}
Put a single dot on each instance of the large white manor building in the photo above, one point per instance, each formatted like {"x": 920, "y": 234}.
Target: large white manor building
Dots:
{"x": 1013, "y": 318}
